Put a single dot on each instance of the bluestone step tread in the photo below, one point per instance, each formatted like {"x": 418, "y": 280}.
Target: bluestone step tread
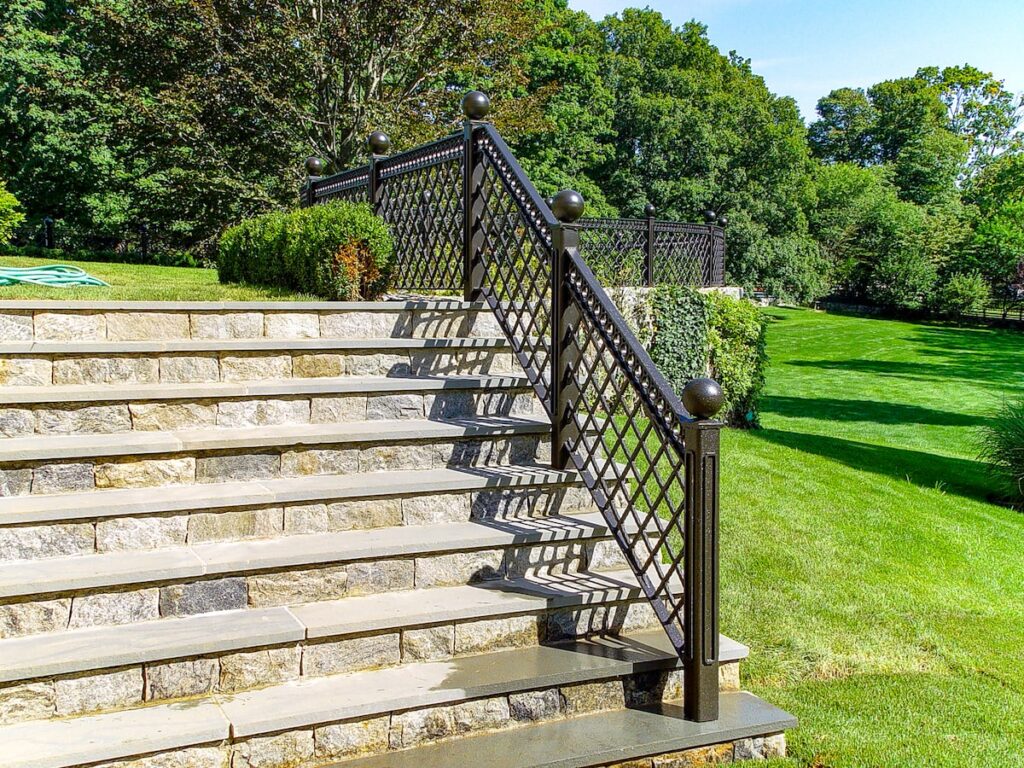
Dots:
{"x": 601, "y": 738}
{"x": 143, "y": 501}
{"x": 387, "y": 305}
{"x": 388, "y": 344}
{"x": 80, "y": 446}
{"x": 68, "y": 574}
{"x": 341, "y": 385}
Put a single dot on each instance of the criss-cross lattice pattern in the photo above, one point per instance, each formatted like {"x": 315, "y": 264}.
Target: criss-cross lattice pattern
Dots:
{"x": 421, "y": 200}
{"x": 353, "y": 186}
{"x": 688, "y": 254}
{"x": 616, "y": 249}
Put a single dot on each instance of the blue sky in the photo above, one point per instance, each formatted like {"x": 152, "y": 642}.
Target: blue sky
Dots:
{"x": 804, "y": 48}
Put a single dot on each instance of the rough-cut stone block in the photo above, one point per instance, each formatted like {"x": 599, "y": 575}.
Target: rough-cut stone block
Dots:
{"x": 351, "y": 655}
{"x": 352, "y": 739}
{"x": 380, "y": 576}
{"x": 647, "y": 688}
{"x": 382, "y": 364}
{"x": 481, "y": 715}
{"x": 63, "y": 478}
{"x": 316, "y": 366}
{"x": 20, "y": 619}
{"x": 409, "y": 729}
{"x": 17, "y": 482}
{"x": 592, "y": 697}
{"x": 106, "y": 370}
{"x": 242, "y": 367}
{"x": 237, "y": 466}
{"x": 130, "y": 533}
{"x": 605, "y": 556}
{"x": 319, "y": 461}
{"x": 25, "y": 372}
{"x": 571, "y": 623}
{"x": 401, "y": 406}
{"x": 241, "y": 671}
{"x": 343, "y": 516}
{"x": 334, "y": 410}
{"x": 429, "y": 362}
{"x": 494, "y": 634}
{"x": 459, "y": 568}
{"x": 450, "y": 324}
{"x": 177, "y": 679}
{"x": 729, "y": 677}
{"x": 532, "y": 706}
{"x": 292, "y": 587}
{"x": 760, "y": 747}
{"x": 27, "y": 701}
{"x": 436, "y": 508}
{"x": 428, "y": 644}
{"x": 147, "y": 326}
{"x": 226, "y": 325}
{"x": 693, "y": 758}
{"x": 379, "y": 458}
{"x": 145, "y": 472}
{"x": 262, "y": 413}
{"x": 546, "y": 559}
{"x": 165, "y": 416}
{"x": 203, "y": 596}
{"x": 193, "y": 757}
{"x": 98, "y": 691}
{"x": 15, "y": 326}
{"x": 115, "y": 608}
{"x": 57, "y": 540}
{"x": 189, "y": 369}
{"x": 16, "y": 422}
{"x": 291, "y": 325}
{"x": 516, "y": 502}
{"x": 235, "y": 525}
{"x": 67, "y": 326}
{"x": 365, "y": 325}
{"x": 283, "y": 750}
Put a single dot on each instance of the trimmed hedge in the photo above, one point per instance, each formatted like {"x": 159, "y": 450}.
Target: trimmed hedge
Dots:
{"x": 338, "y": 251}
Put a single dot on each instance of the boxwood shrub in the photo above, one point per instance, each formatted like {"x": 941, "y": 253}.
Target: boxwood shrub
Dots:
{"x": 338, "y": 251}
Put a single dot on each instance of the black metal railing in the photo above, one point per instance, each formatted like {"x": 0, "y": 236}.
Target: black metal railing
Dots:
{"x": 464, "y": 216}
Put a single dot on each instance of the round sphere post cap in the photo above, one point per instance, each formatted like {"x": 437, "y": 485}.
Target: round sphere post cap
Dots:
{"x": 710, "y": 217}
{"x": 723, "y": 221}
{"x": 703, "y": 398}
{"x": 567, "y": 205}
{"x": 314, "y": 166}
{"x": 650, "y": 210}
{"x": 476, "y": 105}
{"x": 378, "y": 142}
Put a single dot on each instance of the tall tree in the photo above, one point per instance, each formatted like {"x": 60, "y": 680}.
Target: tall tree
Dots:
{"x": 845, "y": 130}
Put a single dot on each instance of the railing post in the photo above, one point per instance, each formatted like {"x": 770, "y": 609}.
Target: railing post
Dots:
{"x": 702, "y": 398}
{"x": 475, "y": 106}
{"x": 567, "y": 206}
{"x": 49, "y": 241}
{"x": 649, "y": 211}
{"x": 379, "y": 144}
{"x": 314, "y": 172}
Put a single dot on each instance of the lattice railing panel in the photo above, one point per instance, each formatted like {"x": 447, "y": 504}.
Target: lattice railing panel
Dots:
{"x": 683, "y": 254}
{"x": 353, "y": 186}
{"x": 616, "y": 249}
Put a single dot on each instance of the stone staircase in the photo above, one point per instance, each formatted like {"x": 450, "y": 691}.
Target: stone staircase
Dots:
{"x": 276, "y": 535}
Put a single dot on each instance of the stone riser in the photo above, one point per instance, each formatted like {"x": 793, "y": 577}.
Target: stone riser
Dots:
{"x": 188, "y": 467}
{"x": 252, "y": 411}
{"x": 72, "y": 325}
{"x": 165, "y": 681}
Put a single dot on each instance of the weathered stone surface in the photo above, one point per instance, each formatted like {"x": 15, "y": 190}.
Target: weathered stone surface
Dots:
{"x": 343, "y": 516}
{"x": 115, "y": 608}
{"x": 421, "y": 725}
{"x": 15, "y": 422}
{"x": 16, "y": 482}
{"x": 319, "y": 461}
{"x": 27, "y": 701}
{"x": 760, "y": 748}
{"x": 63, "y": 478}
{"x": 376, "y": 365}
{"x": 235, "y": 525}
{"x": 481, "y": 453}
{"x": 365, "y": 325}
{"x": 515, "y": 502}
{"x": 106, "y": 370}
{"x": 68, "y": 326}
{"x": 459, "y": 568}
{"x": 481, "y": 715}
{"x": 729, "y": 677}
{"x": 352, "y": 739}
{"x": 436, "y": 508}
{"x": 226, "y": 325}
{"x": 428, "y": 362}
{"x": 592, "y": 697}
{"x": 189, "y": 369}
{"x": 605, "y": 556}
{"x": 241, "y": 671}
{"x": 242, "y": 367}
{"x": 379, "y": 458}
{"x": 141, "y": 473}
{"x": 532, "y": 706}
{"x": 318, "y": 365}
{"x": 351, "y": 655}
{"x": 428, "y": 644}
{"x": 98, "y": 691}
{"x": 57, "y": 540}
{"x": 25, "y": 372}
{"x": 291, "y": 325}
{"x": 456, "y": 324}
{"x": 20, "y": 619}
{"x": 334, "y": 410}
{"x": 567, "y": 624}
{"x": 380, "y": 576}
{"x": 123, "y": 533}
{"x": 16, "y": 326}
{"x": 176, "y": 679}
{"x": 262, "y": 413}
{"x": 203, "y": 596}
{"x": 193, "y": 757}
{"x": 692, "y": 758}
{"x": 640, "y": 615}
{"x": 546, "y": 559}
{"x": 164, "y": 416}
{"x": 646, "y": 688}
{"x": 401, "y": 406}
{"x": 493, "y": 634}
{"x": 291, "y": 587}
{"x": 147, "y": 326}
{"x": 237, "y": 466}
{"x": 283, "y": 750}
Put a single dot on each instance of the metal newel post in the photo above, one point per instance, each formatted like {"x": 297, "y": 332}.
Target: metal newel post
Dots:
{"x": 475, "y": 106}
{"x": 379, "y": 144}
{"x": 649, "y": 211}
{"x": 48, "y": 239}
{"x": 702, "y": 398}
{"x": 567, "y": 206}
{"x": 314, "y": 172}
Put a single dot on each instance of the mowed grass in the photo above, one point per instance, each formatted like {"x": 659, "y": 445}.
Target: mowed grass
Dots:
{"x": 880, "y": 590}
{"x": 134, "y": 282}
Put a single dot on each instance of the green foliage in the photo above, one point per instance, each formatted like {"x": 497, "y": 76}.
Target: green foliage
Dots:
{"x": 997, "y": 248}
{"x": 10, "y": 214}
{"x": 159, "y": 258}
{"x": 961, "y": 293}
{"x": 738, "y": 355}
{"x": 1003, "y": 447}
{"x": 680, "y": 344}
{"x": 338, "y": 251}
{"x": 999, "y": 182}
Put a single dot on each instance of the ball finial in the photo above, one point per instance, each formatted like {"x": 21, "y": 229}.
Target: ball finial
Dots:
{"x": 702, "y": 398}
{"x": 314, "y": 166}
{"x": 710, "y": 217}
{"x": 476, "y": 105}
{"x": 378, "y": 142}
{"x": 567, "y": 205}
{"x": 650, "y": 210}
{"x": 723, "y": 221}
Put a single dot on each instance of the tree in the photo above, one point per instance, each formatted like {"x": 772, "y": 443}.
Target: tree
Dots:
{"x": 845, "y": 130}
{"x": 1000, "y": 181}
{"x": 10, "y": 214}
{"x": 997, "y": 250}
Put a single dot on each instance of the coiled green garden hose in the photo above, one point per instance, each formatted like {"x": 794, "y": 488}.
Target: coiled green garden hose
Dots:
{"x": 49, "y": 275}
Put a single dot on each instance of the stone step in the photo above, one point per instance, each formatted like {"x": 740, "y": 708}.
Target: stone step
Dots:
{"x": 338, "y": 716}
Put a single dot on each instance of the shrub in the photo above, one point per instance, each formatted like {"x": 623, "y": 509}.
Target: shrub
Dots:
{"x": 902, "y": 280}
{"x": 10, "y": 214}
{"x": 738, "y": 355}
{"x": 339, "y": 251}
{"x": 961, "y": 294}
{"x": 680, "y": 344}
{"x": 160, "y": 258}
{"x": 1003, "y": 448}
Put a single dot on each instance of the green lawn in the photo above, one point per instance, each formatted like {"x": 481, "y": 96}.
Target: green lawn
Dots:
{"x": 881, "y": 593}
{"x": 132, "y": 282}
